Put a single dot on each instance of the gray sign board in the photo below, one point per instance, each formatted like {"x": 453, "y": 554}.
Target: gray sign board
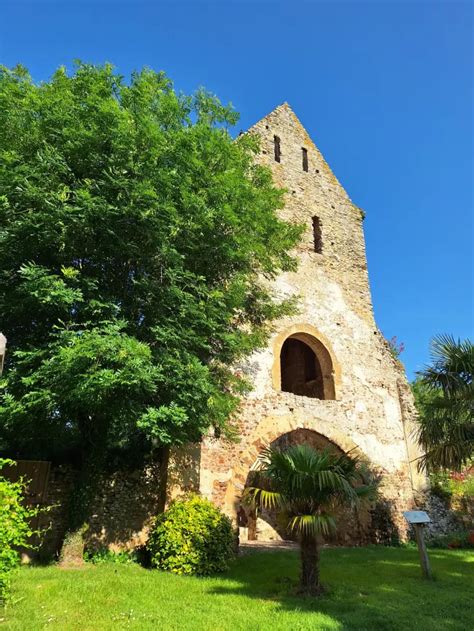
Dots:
{"x": 416, "y": 517}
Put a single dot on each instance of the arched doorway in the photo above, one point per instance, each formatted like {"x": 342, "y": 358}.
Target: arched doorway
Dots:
{"x": 265, "y": 525}
{"x": 305, "y": 436}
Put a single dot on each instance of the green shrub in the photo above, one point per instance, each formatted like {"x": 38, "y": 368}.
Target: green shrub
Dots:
{"x": 192, "y": 537}
{"x": 104, "y": 555}
{"x": 15, "y": 529}
{"x": 453, "y": 540}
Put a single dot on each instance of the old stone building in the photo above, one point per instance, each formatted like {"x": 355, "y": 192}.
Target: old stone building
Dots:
{"x": 327, "y": 376}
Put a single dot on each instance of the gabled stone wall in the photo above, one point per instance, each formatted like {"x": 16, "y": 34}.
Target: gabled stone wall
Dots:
{"x": 372, "y": 410}
{"x": 367, "y": 406}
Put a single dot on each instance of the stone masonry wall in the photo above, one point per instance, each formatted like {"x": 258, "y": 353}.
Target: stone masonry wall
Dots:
{"x": 373, "y": 409}
{"x": 122, "y": 512}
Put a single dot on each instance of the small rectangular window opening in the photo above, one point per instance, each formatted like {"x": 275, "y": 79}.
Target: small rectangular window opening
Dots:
{"x": 276, "y": 146}
{"x": 305, "y": 159}
{"x": 317, "y": 235}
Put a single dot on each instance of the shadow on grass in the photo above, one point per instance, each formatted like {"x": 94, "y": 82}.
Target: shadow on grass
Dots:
{"x": 367, "y": 588}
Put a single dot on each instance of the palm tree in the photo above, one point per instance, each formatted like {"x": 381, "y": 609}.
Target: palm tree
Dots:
{"x": 305, "y": 485}
{"x": 444, "y": 392}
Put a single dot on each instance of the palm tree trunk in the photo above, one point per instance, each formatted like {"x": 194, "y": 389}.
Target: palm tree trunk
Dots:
{"x": 309, "y": 580}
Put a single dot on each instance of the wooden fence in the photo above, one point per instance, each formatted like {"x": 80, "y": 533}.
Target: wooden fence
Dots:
{"x": 36, "y": 475}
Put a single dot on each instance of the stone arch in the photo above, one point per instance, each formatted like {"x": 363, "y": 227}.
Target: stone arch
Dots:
{"x": 302, "y": 435}
{"x": 267, "y": 525}
{"x": 267, "y": 432}
{"x": 308, "y": 367}
{"x": 264, "y": 524}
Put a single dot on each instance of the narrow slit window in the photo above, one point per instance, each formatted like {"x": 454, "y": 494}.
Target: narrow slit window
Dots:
{"x": 305, "y": 159}
{"x": 317, "y": 235}
{"x": 276, "y": 147}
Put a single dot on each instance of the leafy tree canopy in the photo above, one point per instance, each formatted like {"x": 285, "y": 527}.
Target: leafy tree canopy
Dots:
{"x": 136, "y": 239}
{"x": 444, "y": 394}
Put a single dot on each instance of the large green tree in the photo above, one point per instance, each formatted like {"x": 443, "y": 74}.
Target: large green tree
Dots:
{"x": 444, "y": 394}
{"x": 136, "y": 241}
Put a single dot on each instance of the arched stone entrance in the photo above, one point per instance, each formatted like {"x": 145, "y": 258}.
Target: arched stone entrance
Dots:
{"x": 268, "y": 430}
{"x": 266, "y": 525}
{"x": 305, "y": 436}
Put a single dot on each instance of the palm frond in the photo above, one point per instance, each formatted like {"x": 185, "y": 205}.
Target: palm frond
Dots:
{"x": 446, "y": 420}
{"x": 449, "y": 456}
{"x": 452, "y": 363}
{"x": 263, "y": 498}
{"x": 302, "y": 481}
{"x": 312, "y": 525}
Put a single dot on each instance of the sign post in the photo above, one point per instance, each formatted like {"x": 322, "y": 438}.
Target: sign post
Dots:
{"x": 418, "y": 519}
{"x": 3, "y": 346}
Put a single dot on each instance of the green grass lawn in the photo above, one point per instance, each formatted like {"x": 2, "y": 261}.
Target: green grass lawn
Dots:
{"x": 369, "y": 588}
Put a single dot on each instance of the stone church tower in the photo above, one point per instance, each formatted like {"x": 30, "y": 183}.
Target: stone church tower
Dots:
{"x": 327, "y": 376}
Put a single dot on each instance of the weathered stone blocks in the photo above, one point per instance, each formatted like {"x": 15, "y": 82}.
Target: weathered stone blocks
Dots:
{"x": 370, "y": 408}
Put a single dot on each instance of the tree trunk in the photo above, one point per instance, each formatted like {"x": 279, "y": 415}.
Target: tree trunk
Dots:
{"x": 72, "y": 548}
{"x": 309, "y": 580}
{"x": 81, "y": 501}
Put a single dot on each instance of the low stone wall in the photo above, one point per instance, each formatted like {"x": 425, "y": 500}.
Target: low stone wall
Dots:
{"x": 128, "y": 501}
{"x": 125, "y": 509}
{"x": 464, "y": 509}
{"x": 447, "y": 516}
{"x": 122, "y": 512}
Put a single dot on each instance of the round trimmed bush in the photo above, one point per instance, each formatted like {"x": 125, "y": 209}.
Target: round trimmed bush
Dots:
{"x": 192, "y": 537}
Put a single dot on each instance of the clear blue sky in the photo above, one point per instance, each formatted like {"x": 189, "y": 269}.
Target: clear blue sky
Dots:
{"x": 385, "y": 89}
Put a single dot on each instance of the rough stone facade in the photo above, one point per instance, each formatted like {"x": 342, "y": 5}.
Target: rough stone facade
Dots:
{"x": 366, "y": 402}
{"x": 444, "y": 520}
{"x": 123, "y": 511}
